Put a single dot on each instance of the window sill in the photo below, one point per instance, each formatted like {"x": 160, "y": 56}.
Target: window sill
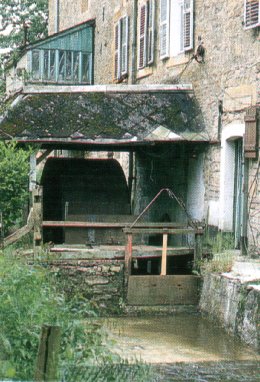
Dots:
{"x": 145, "y": 72}
{"x": 181, "y": 59}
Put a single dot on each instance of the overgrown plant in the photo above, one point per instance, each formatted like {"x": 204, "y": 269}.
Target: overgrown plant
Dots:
{"x": 29, "y": 298}
{"x": 14, "y": 176}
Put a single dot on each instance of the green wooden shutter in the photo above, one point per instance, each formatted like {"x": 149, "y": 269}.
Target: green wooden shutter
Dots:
{"x": 164, "y": 28}
{"x": 150, "y": 37}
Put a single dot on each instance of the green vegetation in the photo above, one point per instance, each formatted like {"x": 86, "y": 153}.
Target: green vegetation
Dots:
{"x": 30, "y": 297}
{"x": 14, "y": 175}
{"x": 220, "y": 263}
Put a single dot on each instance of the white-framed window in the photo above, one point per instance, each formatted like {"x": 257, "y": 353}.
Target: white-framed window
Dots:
{"x": 146, "y": 34}
{"x": 176, "y": 27}
{"x": 251, "y": 13}
{"x": 121, "y": 47}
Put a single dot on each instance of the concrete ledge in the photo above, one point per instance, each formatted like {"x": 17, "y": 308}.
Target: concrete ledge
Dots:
{"x": 163, "y": 290}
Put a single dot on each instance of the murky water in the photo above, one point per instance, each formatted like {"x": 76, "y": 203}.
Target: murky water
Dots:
{"x": 184, "y": 347}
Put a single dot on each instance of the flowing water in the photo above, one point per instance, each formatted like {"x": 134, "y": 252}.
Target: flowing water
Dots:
{"x": 184, "y": 347}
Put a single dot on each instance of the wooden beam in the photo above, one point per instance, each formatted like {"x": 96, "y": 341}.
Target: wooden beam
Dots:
{"x": 128, "y": 254}
{"x": 47, "y": 359}
{"x": 125, "y": 225}
{"x": 171, "y": 231}
{"x": 164, "y": 255}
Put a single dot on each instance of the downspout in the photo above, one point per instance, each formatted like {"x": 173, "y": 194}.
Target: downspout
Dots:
{"x": 134, "y": 44}
{"x": 132, "y": 81}
{"x": 57, "y": 16}
{"x": 244, "y": 238}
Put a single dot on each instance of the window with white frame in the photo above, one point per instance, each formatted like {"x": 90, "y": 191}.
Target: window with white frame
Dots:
{"x": 176, "y": 27}
{"x": 121, "y": 48}
{"x": 251, "y": 13}
{"x": 146, "y": 34}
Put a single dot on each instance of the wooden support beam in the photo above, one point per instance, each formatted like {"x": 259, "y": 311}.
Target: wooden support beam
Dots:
{"x": 107, "y": 224}
{"x": 197, "y": 251}
{"x": 164, "y": 255}
{"x": 171, "y": 231}
{"x": 128, "y": 254}
{"x": 47, "y": 359}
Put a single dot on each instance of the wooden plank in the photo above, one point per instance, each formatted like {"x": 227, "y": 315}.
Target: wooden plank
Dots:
{"x": 47, "y": 359}
{"x": 198, "y": 249}
{"x": 128, "y": 254}
{"x": 164, "y": 255}
{"x": 171, "y": 231}
{"x": 91, "y": 224}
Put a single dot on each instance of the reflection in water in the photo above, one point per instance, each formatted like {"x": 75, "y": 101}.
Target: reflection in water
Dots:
{"x": 180, "y": 338}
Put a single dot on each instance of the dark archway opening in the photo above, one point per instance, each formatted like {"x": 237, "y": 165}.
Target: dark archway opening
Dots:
{"x": 83, "y": 190}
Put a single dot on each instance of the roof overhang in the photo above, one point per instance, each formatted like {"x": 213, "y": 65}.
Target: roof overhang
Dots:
{"x": 104, "y": 116}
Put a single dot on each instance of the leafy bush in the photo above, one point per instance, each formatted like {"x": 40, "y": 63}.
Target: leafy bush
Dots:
{"x": 14, "y": 175}
{"x": 29, "y": 299}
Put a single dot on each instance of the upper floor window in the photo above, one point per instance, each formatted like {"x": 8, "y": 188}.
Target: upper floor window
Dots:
{"x": 146, "y": 34}
{"x": 121, "y": 48}
{"x": 176, "y": 27}
{"x": 251, "y": 13}
{"x": 63, "y": 58}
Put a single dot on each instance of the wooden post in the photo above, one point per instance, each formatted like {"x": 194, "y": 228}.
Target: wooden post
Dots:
{"x": 164, "y": 255}
{"x": 37, "y": 213}
{"x": 47, "y": 359}
{"x": 128, "y": 254}
{"x": 197, "y": 251}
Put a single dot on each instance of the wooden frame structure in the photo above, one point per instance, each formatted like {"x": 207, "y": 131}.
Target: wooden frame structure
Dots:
{"x": 165, "y": 230}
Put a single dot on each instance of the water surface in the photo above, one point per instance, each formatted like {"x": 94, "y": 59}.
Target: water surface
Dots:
{"x": 184, "y": 338}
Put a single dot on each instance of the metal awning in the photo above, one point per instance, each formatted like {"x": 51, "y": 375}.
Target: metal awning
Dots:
{"x": 105, "y": 115}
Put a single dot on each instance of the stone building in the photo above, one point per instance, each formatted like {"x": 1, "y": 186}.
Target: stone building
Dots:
{"x": 169, "y": 89}
{"x": 156, "y": 42}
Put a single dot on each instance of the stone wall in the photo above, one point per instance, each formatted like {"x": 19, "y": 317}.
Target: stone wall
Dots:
{"x": 234, "y": 305}
{"x": 230, "y": 73}
{"x": 99, "y": 281}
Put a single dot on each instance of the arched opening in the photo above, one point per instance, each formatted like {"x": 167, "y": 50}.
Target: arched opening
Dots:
{"x": 83, "y": 190}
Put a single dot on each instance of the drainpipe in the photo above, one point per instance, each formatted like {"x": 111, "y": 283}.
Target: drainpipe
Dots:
{"x": 132, "y": 80}
{"x": 57, "y": 16}
{"x": 244, "y": 238}
{"x": 130, "y": 172}
{"x": 134, "y": 44}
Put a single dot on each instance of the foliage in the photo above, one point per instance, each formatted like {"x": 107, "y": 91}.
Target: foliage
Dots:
{"x": 14, "y": 172}
{"x": 220, "y": 263}
{"x": 22, "y": 22}
{"x": 29, "y": 298}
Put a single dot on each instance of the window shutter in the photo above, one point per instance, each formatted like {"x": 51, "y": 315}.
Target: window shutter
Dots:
{"x": 164, "y": 28}
{"x": 150, "y": 37}
{"x": 143, "y": 34}
{"x": 251, "y": 13}
{"x": 188, "y": 24}
{"x": 124, "y": 45}
{"x": 117, "y": 51}
{"x": 250, "y": 141}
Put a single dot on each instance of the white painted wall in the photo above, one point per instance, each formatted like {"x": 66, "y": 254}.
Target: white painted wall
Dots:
{"x": 230, "y": 133}
{"x": 196, "y": 189}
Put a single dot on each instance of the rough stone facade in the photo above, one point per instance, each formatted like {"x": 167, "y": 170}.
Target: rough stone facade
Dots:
{"x": 230, "y": 75}
{"x": 100, "y": 282}
{"x": 234, "y": 305}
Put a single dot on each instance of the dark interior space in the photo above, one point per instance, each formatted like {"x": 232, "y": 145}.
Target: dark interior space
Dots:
{"x": 176, "y": 265}
{"x": 82, "y": 190}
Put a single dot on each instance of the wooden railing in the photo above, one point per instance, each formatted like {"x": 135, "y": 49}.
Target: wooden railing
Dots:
{"x": 165, "y": 230}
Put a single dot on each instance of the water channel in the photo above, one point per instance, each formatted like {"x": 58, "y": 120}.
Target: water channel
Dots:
{"x": 184, "y": 347}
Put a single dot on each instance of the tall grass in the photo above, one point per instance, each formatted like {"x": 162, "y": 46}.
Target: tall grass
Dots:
{"x": 29, "y": 298}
